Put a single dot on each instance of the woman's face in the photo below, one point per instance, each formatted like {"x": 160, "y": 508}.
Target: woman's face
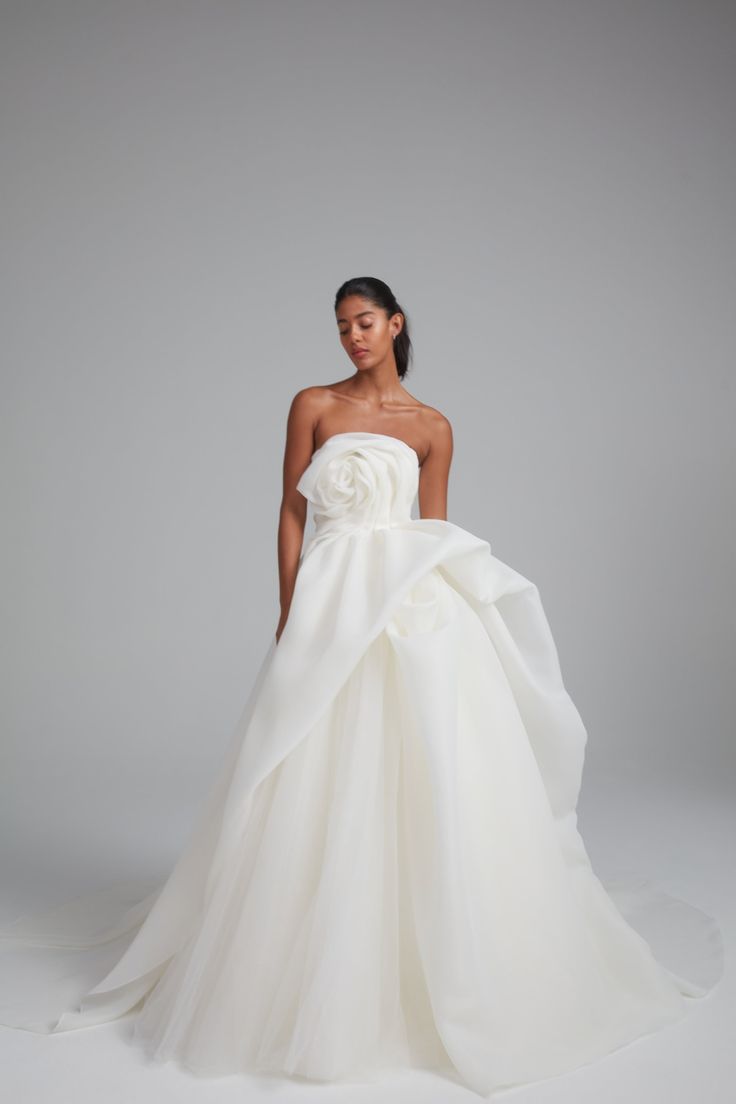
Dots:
{"x": 367, "y": 335}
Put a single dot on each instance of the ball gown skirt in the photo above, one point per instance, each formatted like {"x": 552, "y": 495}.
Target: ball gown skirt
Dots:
{"x": 387, "y": 871}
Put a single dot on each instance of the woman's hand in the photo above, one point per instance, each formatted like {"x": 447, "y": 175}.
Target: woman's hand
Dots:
{"x": 280, "y": 626}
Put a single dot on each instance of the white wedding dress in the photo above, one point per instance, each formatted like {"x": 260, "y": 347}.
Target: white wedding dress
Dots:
{"x": 388, "y": 870}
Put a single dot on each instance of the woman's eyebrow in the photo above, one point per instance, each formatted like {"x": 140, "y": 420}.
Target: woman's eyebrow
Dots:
{"x": 360, "y": 315}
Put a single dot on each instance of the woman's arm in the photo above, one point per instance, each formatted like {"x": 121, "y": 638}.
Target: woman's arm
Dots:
{"x": 293, "y": 511}
{"x": 434, "y": 473}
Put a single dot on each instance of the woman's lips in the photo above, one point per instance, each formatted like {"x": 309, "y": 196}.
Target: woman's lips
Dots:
{"x": 360, "y": 352}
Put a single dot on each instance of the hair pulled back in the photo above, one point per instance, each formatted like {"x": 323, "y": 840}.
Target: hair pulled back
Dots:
{"x": 381, "y": 295}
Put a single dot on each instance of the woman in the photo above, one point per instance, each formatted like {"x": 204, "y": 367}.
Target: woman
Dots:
{"x": 374, "y": 334}
{"x": 388, "y": 871}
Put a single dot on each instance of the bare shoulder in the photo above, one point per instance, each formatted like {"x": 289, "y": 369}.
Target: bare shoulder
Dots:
{"x": 309, "y": 400}
{"x": 438, "y": 433}
{"x": 307, "y": 407}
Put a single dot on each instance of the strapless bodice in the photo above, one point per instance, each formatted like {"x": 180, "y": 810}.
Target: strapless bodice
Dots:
{"x": 360, "y": 480}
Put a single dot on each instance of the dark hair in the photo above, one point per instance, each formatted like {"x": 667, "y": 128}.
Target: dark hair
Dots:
{"x": 369, "y": 287}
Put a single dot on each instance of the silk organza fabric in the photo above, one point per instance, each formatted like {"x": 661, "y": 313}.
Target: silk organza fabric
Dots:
{"x": 387, "y": 871}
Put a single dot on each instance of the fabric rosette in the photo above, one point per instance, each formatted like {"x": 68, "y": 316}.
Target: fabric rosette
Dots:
{"x": 361, "y": 486}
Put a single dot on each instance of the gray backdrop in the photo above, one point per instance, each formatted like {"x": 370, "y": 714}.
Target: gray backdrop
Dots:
{"x": 547, "y": 186}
